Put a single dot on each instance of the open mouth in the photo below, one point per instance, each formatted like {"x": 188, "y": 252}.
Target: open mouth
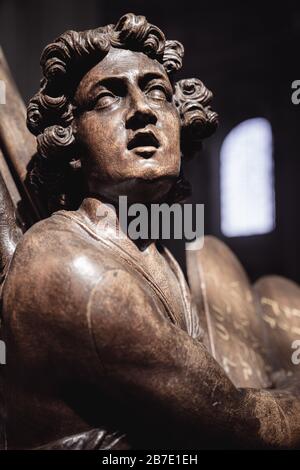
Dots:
{"x": 144, "y": 144}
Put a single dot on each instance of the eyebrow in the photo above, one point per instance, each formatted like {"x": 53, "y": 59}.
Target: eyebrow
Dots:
{"x": 119, "y": 80}
{"x": 149, "y": 76}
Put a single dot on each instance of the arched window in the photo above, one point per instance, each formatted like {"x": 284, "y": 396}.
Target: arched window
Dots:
{"x": 247, "y": 186}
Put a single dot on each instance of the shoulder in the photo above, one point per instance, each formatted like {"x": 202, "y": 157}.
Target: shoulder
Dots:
{"x": 63, "y": 289}
{"x": 55, "y": 269}
{"x": 58, "y": 247}
{"x": 59, "y": 268}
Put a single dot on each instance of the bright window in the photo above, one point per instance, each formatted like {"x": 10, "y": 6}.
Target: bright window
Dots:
{"x": 247, "y": 186}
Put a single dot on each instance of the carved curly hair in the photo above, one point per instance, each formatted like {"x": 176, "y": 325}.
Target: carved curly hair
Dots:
{"x": 56, "y": 171}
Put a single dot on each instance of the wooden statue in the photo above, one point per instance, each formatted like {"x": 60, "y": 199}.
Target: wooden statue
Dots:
{"x": 106, "y": 347}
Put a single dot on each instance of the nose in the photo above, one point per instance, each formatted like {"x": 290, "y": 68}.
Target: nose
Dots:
{"x": 139, "y": 114}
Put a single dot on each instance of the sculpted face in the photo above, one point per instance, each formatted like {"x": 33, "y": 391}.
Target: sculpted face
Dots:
{"x": 127, "y": 127}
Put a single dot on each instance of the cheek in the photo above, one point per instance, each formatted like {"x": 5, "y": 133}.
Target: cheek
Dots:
{"x": 172, "y": 131}
{"x": 100, "y": 134}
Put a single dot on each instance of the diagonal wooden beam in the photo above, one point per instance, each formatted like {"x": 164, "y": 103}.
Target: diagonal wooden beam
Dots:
{"x": 17, "y": 143}
{"x": 9, "y": 181}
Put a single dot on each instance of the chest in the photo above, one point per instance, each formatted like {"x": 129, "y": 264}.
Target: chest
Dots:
{"x": 167, "y": 283}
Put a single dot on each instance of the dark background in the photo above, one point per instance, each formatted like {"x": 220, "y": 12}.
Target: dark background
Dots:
{"x": 248, "y": 53}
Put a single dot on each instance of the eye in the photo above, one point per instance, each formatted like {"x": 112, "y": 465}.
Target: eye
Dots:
{"x": 105, "y": 99}
{"x": 158, "y": 92}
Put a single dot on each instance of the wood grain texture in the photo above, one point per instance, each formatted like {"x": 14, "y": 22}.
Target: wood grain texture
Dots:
{"x": 17, "y": 144}
{"x": 229, "y": 311}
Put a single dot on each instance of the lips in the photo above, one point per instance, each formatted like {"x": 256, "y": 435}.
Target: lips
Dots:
{"x": 144, "y": 144}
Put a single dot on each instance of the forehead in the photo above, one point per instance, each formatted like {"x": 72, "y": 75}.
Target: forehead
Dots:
{"x": 120, "y": 63}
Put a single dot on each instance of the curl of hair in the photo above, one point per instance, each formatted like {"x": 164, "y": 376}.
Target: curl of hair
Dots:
{"x": 192, "y": 100}
{"x": 52, "y": 171}
{"x": 61, "y": 57}
{"x": 173, "y": 55}
{"x": 44, "y": 111}
{"x": 56, "y": 141}
{"x": 64, "y": 62}
{"x": 135, "y": 32}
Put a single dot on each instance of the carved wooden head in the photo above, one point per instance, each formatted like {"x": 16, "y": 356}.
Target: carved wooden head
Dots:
{"x": 109, "y": 117}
